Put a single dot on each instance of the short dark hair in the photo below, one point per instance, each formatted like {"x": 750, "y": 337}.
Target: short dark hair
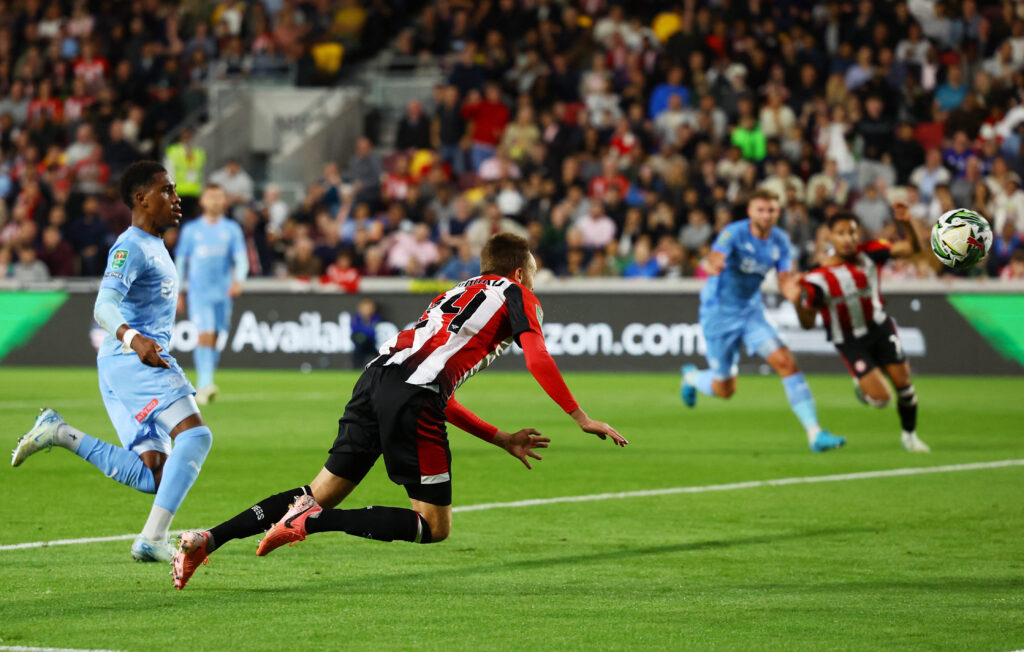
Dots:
{"x": 763, "y": 193}
{"x": 840, "y": 216}
{"x": 504, "y": 253}
{"x": 138, "y": 175}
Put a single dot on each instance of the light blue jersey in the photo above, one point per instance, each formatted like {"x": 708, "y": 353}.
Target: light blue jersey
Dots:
{"x": 748, "y": 259}
{"x": 207, "y": 252}
{"x": 140, "y": 269}
{"x": 731, "y": 305}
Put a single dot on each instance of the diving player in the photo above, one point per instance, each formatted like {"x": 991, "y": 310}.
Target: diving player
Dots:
{"x": 148, "y": 398}
{"x": 732, "y": 312}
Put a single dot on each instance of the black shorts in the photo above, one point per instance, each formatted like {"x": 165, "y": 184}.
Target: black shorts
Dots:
{"x": 880, "y": 347}
{"x": 404, "y": 423}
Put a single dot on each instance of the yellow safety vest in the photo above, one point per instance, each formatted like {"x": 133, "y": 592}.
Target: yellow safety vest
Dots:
{"x": 186, "y": 170}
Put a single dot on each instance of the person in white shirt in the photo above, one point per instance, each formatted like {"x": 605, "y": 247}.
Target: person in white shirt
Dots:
{"x": 235, "y": 181}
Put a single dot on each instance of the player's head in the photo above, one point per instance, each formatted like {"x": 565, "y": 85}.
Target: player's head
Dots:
{"x": 844, "y": 233}
{"x": 507, "y": 254}
{"x": 213, "y": 200}
{"x": 149, "y": 191}
{"x": 763, "y": 209}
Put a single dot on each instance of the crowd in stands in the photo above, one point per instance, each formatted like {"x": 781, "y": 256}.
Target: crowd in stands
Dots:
{"x": 620, "y": 137}
{"x": 89, "y": 86}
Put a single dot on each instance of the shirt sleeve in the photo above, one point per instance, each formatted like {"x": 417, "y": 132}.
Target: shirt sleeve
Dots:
{"x": 543, "y": 368}
{"x": 524, "y": 312}
{"x": 125, "y": 263}
{"x": 814, "y": 292}
{"x": 239, "y": 253}
{"x": 460, "y": 417}
{"x": 725, "y": 241}
{"x": 879, "y": 251}
{"x": 785, "y": 263}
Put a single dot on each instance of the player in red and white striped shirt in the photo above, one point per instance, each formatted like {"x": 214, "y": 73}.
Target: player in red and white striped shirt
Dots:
{"x": 399, "y": 408}
{"x": 845, "y": 290}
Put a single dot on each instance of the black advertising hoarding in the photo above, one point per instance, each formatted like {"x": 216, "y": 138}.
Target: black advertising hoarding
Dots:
{"x": 619, "y": 331}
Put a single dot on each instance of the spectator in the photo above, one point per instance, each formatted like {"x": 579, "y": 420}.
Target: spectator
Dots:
{"x": 643, "y": 264}
{"x": 448, "y": 130}
{"x": 364, "y": 324}
{"x": 413, "y": 253}
{"x": 461, "y": 266}
{"x": 951, "y": 93}
{"x": 673, "y": 86}
{"x": 300, "y": 259}
{"x": 56, "y": 253}
{"x": 929, "y": 176}
{"x": 1014, "y": 271}
{"x": 782, "y": 180}
{"x": 118, "y": 153}
{"x": 343, "y": 273}
{"x": 595, "y": 227}
{"x": 749, "y": 138}
{"x": 365, "y": 171}
{"x": 697, "y": 231}
{"x": 955, "y": 157}
{"x": 236, "y": 182}
{"x": 482, "y": 228}
{"x": 186, "y": 164}
{"x": 487, "y": 118}
{"x": 1004, "y": 244}
{"x": 873, "y": 210}
{"x": 413, "y": 128}
{"x": 29, "y": 269}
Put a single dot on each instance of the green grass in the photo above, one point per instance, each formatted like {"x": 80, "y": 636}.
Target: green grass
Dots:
{"x": 918, "y": 562}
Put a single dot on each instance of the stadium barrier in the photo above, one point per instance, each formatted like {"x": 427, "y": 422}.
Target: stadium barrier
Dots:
{"x": 617, "y": 325}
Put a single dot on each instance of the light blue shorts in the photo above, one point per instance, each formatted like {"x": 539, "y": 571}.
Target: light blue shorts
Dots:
{"x": 135, "y": 395}
{"x": 723, "y": 335}
{"x": 210, "y": 316}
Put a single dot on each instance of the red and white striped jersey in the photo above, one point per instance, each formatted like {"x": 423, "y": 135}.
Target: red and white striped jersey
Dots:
{"x": 462, "y": 332}
{"x": 848, "y": 294}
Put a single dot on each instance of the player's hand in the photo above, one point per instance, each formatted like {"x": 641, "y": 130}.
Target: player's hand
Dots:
{"x": 901, "y": 212}
{"x": 714, "y": 264}
{"x": 789, "y": 286}
{"x": 149, "y": 351}
{"x": 235, "y": 290}
{"x": 599, "y": 428}
{"x": 521, "y": 444}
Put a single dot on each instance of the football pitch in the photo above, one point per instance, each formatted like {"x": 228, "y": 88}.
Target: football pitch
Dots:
{"x": 847, "y": 560}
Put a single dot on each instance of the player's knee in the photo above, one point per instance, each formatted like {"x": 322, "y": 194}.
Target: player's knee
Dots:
{"x": 786, "y": 366}
{"x": 725, "y": 391}
{"x": 440, "y": 526}
{"x": 878, "y": 397}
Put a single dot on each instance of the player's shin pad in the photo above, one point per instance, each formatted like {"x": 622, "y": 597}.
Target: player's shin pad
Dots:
{"x": 906, "y": 405}
{"x": 182, "y": 467}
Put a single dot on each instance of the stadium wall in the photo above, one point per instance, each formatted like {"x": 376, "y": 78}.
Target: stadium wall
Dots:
{"x": 589, "y": 327}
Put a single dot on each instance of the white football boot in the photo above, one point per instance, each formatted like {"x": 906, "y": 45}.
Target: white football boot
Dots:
{"x": 43, "y": 436}
{"x": 912, "y": 444}
{"x": 144, "y": 549}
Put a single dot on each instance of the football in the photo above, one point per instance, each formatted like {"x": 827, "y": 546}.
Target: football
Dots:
{"x": 961, "y": 238}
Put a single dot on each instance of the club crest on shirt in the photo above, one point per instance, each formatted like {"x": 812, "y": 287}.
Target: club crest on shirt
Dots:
{"x": 540, "y": 315}
{"x": 167, "y": 287}
{"x": 120, "y": 257}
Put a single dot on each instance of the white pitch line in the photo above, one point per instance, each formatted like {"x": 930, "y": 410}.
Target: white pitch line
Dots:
{"x": 21, "y": 648}
{"x": 644, "y": 493}
{"x": 256, "y": 397}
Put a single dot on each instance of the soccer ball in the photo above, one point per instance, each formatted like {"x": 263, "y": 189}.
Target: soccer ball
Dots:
{"x": 961, "y": 238}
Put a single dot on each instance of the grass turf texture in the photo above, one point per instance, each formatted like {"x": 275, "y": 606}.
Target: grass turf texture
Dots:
{"x": 920, "y": 562}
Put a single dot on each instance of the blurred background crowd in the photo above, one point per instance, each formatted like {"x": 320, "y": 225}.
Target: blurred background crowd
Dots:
{"x": 618, "y": 137}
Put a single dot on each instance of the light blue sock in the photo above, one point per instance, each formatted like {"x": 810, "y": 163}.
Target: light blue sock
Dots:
{"x": 801, "y": 402}
{"x": 182, "y": 467}
{"x": 204, "y": 359}
{"x": 703, "y": 382}
{"x": 216, "y": 357}
{"x": 117, "y": 463}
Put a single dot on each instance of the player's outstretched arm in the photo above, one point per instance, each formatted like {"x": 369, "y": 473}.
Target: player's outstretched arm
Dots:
{"x": 911, "y": 244}
{"x": 520, "y": 444}
{"x": 794, "y": 289}
{"x": 541, "y": 365}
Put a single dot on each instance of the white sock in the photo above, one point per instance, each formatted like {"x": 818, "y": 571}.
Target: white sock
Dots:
{"x": 69, "y": 437}
{"x": 812, "y": 433}
{"x": 157, "y": 525}
{"x": 909, "y": 435}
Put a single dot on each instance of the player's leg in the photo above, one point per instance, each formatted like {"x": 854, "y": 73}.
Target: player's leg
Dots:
{"x": 761, "y": 338}
{"x": 888, "y": 350}
{"x": 136, "y": 463}
{"x": 719, "y": 379}
{"x": 873, "y": 389}
{"x": 222, "y": 324}
{"x": 201, "y": 313}
{"x": 414, "y": 444}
